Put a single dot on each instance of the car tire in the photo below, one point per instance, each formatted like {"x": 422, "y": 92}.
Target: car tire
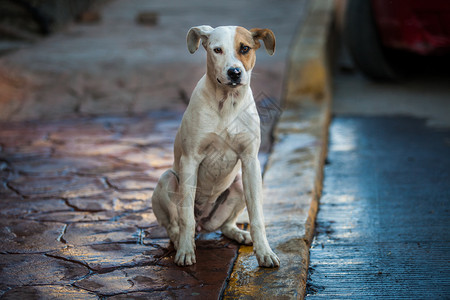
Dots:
{"x": 364, "y": 44}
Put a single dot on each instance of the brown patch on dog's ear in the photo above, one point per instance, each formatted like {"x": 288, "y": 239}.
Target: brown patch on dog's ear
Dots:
{"x": 195, "y": 34}
{"x": 267, "y": 36}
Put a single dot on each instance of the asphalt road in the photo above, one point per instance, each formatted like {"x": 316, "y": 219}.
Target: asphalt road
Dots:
{"x": 382, "y": 227}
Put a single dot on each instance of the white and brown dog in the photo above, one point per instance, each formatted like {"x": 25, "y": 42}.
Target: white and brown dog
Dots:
{"x": 219, "y": 135}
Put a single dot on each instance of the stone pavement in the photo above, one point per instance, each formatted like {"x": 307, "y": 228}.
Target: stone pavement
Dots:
{"x": 118, "y": 66}
{"x": 76, "y": 218}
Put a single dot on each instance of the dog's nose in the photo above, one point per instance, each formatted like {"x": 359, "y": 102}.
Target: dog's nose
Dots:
{"x": 234, "y": 74}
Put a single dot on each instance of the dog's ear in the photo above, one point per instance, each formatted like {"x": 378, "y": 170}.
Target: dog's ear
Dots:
{"x": 267, "y": 36}
{"x": 195, "y": 34}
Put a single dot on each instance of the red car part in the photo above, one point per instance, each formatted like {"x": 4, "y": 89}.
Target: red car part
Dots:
{"x": 420, "y": 26}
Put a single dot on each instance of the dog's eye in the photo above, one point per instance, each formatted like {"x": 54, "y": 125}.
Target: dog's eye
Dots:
{"x": 244, "y": 49}
{"x": 218, "y": 50}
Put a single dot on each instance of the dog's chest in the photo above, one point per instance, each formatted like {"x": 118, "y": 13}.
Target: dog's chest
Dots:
{"x": 238, "y": 130}
{"x": 220, "y": 156}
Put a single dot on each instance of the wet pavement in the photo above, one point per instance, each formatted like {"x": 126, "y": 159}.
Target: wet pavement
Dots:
{"x": 76, "y": 217}
{"x": 76, "y": 181}
{"x": 383, "y": 218}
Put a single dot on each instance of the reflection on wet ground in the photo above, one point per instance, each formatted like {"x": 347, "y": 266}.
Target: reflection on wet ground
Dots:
{"x": 383, "y": 219}
{"x": 76, "y": 218}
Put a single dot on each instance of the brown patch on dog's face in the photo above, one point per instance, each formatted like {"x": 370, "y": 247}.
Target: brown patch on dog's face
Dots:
{"x": 245, "y": 47}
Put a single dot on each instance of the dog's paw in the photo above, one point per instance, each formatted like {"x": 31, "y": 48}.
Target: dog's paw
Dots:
{"x": 185, "y": 258}
{"x": 240, "y": 236}
{"x": 243, "y": 237}
{"x": 267, "y": 259}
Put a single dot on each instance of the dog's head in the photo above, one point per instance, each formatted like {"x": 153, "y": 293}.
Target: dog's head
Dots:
{"x": 230, "y": 51}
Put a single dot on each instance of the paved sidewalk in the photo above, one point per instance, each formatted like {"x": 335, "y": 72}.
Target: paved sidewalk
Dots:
{"x": 117, "y": 66}
{"x": 76, "y": 218}
{"x": 106, "y": 100}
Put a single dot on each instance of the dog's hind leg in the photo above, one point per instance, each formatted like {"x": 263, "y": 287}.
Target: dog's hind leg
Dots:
{"x": 164, "y": 205}
{"x": 229, "y": 228}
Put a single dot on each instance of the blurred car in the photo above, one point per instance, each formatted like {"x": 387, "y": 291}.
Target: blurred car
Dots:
{"x": 378, "y": 32}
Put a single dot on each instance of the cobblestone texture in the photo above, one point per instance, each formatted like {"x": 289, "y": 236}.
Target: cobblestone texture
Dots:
{"x": 76, "y": 217}
{"x": 75, "y": 187}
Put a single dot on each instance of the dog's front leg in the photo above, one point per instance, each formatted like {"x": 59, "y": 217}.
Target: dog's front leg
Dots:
{"x": 252, "y": 181}
{"x": 188, "y": 182}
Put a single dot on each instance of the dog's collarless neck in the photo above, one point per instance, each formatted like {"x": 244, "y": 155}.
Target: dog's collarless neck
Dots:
{"x": 230, "y": 99}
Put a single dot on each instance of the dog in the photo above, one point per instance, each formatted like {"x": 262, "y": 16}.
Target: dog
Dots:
{"x": 216, "y": 171}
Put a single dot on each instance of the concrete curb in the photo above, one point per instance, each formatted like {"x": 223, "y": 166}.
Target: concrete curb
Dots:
{"x": 293, "y": 178}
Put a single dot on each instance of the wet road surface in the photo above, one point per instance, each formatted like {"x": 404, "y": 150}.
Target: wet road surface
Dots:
{"x": 384, "y": 212}
{"x": 382, "y": 227}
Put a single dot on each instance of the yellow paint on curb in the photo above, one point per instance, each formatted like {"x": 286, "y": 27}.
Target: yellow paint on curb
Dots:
{"x": 309, "y": 74}
{"x": 291, "y": 201}
{"x": 244, "y": 253}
